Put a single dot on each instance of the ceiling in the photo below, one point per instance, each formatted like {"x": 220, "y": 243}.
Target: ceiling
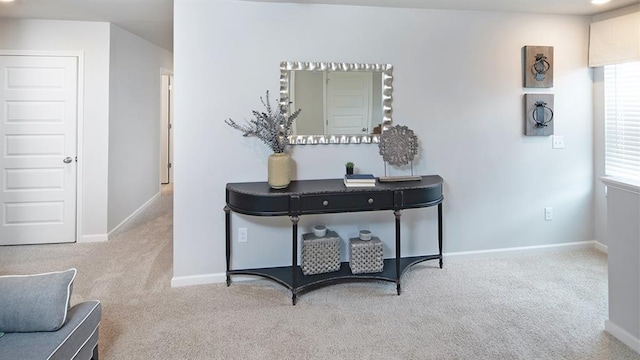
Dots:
{"x": 564, "y": 7}
{"x": 153, "y": 19}
{"x": 149, "y": 19}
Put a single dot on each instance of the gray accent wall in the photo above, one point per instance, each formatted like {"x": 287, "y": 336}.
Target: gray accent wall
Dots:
{"x": 457, "y": 84}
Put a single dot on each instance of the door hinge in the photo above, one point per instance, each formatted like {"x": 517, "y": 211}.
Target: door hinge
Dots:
{"x": 169, "y": 165}
{"x": 170, "y": 87}
{"x": 170, "y": 126}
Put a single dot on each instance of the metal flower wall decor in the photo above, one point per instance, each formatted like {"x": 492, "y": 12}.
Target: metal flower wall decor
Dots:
{"x": 398, "y": 145}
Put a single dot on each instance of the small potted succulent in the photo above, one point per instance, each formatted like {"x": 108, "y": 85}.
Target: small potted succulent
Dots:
{"x": 349, "y": 167}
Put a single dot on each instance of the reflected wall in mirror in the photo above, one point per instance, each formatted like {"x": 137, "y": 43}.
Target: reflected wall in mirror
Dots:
{"x": 342, "y": 103}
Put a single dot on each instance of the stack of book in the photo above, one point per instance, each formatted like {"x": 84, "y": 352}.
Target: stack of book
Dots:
{"x": 359, "y": 180}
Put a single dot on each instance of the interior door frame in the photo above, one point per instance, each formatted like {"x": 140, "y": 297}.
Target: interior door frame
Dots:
{"x": 79, "y": 120}
{"x": 169, "y": 73}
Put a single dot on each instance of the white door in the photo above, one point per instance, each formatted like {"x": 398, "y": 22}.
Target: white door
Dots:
{"x": 38, "y": 129}
{"x": 348, "y": 102}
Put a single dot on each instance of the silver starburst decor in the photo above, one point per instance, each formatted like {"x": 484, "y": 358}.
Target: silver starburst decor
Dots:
{"x": 398, "y": 145}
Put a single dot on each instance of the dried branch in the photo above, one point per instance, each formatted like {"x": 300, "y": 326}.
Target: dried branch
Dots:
{"x": 272, "y": 126}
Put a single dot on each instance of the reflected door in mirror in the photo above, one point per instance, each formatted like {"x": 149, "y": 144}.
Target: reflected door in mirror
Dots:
{"x": 349, "y": 97}
{"x": 337, "y": 103}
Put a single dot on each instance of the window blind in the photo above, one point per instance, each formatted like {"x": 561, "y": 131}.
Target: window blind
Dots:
{"x": 622, "y": 120}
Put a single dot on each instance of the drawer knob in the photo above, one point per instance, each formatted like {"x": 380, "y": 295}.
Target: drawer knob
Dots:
{"x": 370, "y": 200}
{"x": 325, "y": 203}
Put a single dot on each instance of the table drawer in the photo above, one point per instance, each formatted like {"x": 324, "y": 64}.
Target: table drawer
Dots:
{"x": 353, "y": 202}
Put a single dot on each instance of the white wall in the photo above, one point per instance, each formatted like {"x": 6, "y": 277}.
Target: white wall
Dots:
{"x": 91, "y": 38}
{"x": 120, "y": 127}
{"x": 623, "y": 233}
{"x": 457, "y": 84}
{"x": 134, "y": 122}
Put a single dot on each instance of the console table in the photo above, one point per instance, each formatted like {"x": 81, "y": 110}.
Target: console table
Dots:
{"x": 306, "y": 197}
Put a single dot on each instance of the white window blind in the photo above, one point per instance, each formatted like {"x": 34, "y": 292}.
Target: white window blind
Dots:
{"x": 622, "y": 120}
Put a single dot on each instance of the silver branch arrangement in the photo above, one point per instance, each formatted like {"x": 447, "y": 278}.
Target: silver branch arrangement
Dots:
{"x": 271, "y": 126}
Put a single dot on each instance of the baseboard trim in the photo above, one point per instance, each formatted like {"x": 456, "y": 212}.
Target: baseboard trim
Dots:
{"x": 139, "y": 210}
{"x": 93, "y": 238}
{"x": 601, "y": 247}
{"x": 463, "y": 255}
{"x": 622, "y": 335}
{"x": 206, "y": 279}
{"x": 215, "y": 278}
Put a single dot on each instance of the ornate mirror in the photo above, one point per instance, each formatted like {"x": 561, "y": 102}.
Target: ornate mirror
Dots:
{"x": 342, "y": 103}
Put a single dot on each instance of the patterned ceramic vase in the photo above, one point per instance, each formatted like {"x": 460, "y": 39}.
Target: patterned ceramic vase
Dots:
{"x": 278, "y": 170}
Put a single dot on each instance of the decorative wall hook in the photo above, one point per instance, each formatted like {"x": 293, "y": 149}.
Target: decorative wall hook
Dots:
{"x": 539, "y": 114}
{"x": 538, "y": 66}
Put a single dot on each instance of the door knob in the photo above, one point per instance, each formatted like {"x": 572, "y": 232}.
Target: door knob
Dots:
{"x": 67, "y": 160}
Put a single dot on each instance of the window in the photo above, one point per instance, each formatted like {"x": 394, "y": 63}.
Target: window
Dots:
{"x": 622, "y": 120}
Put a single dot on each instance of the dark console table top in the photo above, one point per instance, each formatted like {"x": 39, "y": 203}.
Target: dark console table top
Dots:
{"x": 331, "y": 195}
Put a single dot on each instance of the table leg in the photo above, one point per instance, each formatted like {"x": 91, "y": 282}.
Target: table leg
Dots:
{"x": 294, "y": 257}
{"x": 227, "y": 226}
{"x": 397, "y": 214}
{"x": 440, "y": 232}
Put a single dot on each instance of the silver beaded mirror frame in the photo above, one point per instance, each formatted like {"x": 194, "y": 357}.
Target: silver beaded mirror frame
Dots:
{"x": 386, "y": 71}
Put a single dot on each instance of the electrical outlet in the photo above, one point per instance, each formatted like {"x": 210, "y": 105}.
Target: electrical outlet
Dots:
{"x": 242, "y": 235}
{"x": 548, "y": 213}
{"x": 558, "y": 142}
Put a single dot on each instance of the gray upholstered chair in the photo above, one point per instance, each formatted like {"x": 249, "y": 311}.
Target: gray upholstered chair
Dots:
{"x": 37, "y": 321}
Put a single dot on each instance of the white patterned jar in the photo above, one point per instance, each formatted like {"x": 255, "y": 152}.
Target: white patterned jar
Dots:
{"x": 278, "y": 170}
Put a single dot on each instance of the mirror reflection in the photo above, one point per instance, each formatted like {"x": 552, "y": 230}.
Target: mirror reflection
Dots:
{"x": 340, "y": 102}
{"x": 336, "y": 102}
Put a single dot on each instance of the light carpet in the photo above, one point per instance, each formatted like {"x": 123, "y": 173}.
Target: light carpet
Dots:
{"x": 543, "y": 306}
